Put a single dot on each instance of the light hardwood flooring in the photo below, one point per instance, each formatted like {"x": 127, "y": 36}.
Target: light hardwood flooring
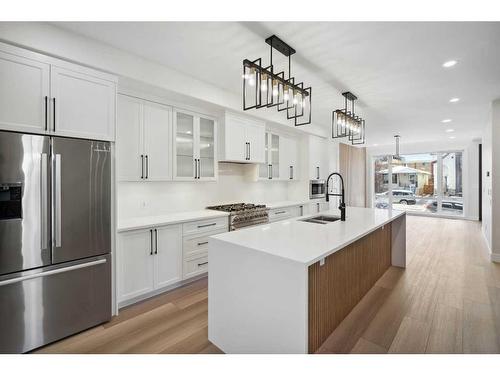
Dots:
{"x": 447, "y": 300}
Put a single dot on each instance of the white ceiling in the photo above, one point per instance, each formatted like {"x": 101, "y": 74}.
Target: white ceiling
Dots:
{"x": 394, "y": 68}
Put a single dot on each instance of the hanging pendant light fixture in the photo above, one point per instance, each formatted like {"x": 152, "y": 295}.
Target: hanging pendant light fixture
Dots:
{"x": 397, "y": 155}
{"x": 263, "y": 88}
{"x": 345, "y": 123}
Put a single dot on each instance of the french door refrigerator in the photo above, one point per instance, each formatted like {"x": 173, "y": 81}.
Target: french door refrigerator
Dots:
{"x": 55, "y": 238}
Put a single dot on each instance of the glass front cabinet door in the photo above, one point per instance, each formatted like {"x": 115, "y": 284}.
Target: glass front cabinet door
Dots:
{"x": 194, "y": 147}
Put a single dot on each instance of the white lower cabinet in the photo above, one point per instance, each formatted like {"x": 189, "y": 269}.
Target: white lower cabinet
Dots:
{"x": 148, "y": 260}
{"x": 277, "y": 214}
{"x": 168, "y": 255}
{"x": 195, "y": 244}
{"x": 318, "y": 207}
{"x": 135, "y": 261}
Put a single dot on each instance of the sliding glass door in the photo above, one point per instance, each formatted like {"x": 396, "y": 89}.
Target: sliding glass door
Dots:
{"x": 426, "y": 183}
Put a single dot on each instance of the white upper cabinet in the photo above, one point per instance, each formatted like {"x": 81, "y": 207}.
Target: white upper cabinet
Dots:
{"x": 129, "y": 139}
{"x": 143, "y": 140}
{"x": 157, "y": 141}
{"x": 194, "y": 147}
{"x": 44, "y": 95}
{"x": 83, "y": 104}
{"x": 289, "y": 158}
{"x": 242, "y": 140}
{"x": 271, "y": 168}
{"x": 24, "y": 94}
{"x": 318, "y": 158}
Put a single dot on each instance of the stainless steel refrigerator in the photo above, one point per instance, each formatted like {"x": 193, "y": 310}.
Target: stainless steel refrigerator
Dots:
{"x": 55, "y": 238}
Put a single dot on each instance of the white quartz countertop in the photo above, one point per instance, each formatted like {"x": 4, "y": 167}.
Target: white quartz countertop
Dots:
{"x": 167, "y": 219}
{"x": 307, "y": 243}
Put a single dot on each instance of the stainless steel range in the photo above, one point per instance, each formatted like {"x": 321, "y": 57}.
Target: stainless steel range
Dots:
{"x": 244, "y": 214}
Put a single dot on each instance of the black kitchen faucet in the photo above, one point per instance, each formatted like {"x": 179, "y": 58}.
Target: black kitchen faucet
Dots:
{"x": 342, "y": 195}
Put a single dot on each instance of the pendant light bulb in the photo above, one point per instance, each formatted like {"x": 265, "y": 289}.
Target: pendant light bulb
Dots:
{"x": 286, "y": 94}
{"x": 295, "y": 99}
{"x": 263, "y": 83}
{"x": 251, "y": 78}
{"x": 275, "y": 88}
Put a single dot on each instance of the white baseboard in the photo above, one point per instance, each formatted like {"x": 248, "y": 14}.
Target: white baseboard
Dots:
{"x": 495, "y": 257}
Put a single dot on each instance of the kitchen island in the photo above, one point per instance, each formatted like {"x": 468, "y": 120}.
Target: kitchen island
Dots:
{"x": 284, "y": 287}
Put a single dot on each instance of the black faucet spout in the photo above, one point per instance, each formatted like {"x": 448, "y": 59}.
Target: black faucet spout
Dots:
{"x": 342, "y": 195}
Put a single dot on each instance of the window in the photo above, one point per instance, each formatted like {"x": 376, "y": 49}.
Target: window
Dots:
{"x": 427, "y": 183}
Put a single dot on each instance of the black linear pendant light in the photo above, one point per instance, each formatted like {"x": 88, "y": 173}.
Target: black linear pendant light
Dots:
{"x": 265, "y": 88}
{"x": 345, "y": 123}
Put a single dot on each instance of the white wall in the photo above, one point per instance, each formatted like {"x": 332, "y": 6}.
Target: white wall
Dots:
{"x": 470, "y": 167}
{"x": 157, "y": 198}
{"x": 491, "y": 183}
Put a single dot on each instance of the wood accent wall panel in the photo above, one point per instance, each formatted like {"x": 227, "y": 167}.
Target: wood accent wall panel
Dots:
{"x": 352, "y": 166}
{"x": 347, "y": 275}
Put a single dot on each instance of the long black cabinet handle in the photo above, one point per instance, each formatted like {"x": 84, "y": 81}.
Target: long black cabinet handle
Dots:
{"x": 156, "y": 241}
{"x": 46, "y": 112}
{"x": 202, "y": 264}
{"x": 195, "y": 169}
{"x": 206, "y": 225}
{"x": 142, "y": 166}
{"x": 247, "y": 157}
{"x": 249, "y": 151}
{"x": 291, "y": 172}
{"x": 202, "y": 243}
{"x": 199, "y": 168}
{"x": 317, "y": 170}
{"x": 54, "y": 114}
{"x": 280, "y": 212}
{"x": 147, "y": 166}
{"x": 151, "y": 243}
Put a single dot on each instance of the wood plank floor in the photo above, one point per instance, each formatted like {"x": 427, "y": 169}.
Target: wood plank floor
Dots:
{"x": 446, "y": 301}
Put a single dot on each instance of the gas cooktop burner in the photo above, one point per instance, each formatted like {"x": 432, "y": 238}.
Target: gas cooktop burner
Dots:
{"x": 244, "y": 214}
{"x": 237, "y": 207}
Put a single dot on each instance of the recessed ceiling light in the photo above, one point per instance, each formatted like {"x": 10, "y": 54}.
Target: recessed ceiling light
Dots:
{"x": 454, "y": 100}
{"x": 450, "y": 130}
{"x": 449, "y": 64}
{"x": 452, "y": 137}
{"x": 446, "y": 120}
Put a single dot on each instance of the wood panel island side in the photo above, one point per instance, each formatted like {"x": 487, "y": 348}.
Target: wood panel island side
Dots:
{"x": 284, "y": 287}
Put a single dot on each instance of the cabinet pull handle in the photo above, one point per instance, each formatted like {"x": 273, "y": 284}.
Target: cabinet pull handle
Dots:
{"x": 46, "y": 112}
{"x": 151, "y": 243}
{"x": 199, "y": 168}
{"x": 195, "y": 169}
{"x": 270, "y": 171}
{"x": 202, "y": 243}
{"x": 249, "y": 151}
{"x": 54, "y": 114}
{"x": 280, "y": 212}
{"x": 147, "y": 166}
{"x": 206, "y": 225}
{"x": 202, "y": 264}
{"x": 156, "y": 241}
{"x": 291, "y": 172}
{"x": 142, "y": 166}
{"x": 317, "y": 171}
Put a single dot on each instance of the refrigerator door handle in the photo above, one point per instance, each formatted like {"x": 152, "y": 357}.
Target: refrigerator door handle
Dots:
{"x": 57, "y": 199}
{"x": 52, "y": 272}
{"x": 44, "y": 201}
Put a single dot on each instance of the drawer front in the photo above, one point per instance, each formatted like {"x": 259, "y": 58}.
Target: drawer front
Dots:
{"x": 197, "y": 246}
{"x": 283, "y": 213}
{"x": 195, "y": 266}
{"x": 204, "y": 226}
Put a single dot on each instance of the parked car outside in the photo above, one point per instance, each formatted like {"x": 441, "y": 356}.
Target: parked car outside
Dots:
{"x": 398, "y": 196}
{"x": 446, "y": 206}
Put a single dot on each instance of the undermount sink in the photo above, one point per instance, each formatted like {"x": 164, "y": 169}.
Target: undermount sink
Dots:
{"x": 321, "y": 219}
